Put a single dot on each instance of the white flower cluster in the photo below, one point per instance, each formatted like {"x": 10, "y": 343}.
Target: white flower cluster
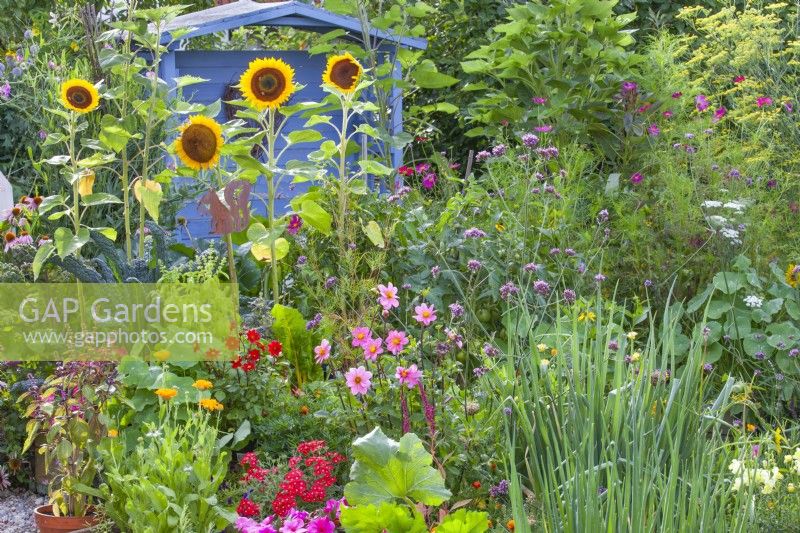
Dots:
{"x": 732, "y": 235}
{"x": 753, "y": 301}
{"x": 793, "y": 460}
{"x": 766, "y": 477}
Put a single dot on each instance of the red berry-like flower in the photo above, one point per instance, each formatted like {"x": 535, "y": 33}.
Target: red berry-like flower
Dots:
{"x": 248, "y": 508}
{"x": 275, "y": 348}
{"x": 476, "y": 484}
{"x": 253, "y": 336}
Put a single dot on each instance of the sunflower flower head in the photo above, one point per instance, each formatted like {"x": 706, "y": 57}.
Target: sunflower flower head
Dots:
{"x": 166, "y": 394}
{"x": 793, "y": 275}
{"x": 267, "y": 83}
{"x": 199, "y": 143}
{"x": 79, "y": 96}
{"x": 210, "y": 404}
{"x": 343, "y": 73}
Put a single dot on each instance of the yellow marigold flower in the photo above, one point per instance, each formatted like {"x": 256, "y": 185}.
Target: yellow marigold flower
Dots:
{"x": 511, "y": 525}
{"x": 210, "y": 404}
{"x": 200, "y": 143}
{"x": 113, "y": 433}
{"x": 79, "y": 96}
{"x": 343, "y": 73}
{"x": 793, "y": 275}
{"x": 75, "y": 47}
{"x": 166, "y": 394}
{"x": 202, "y": 384}
{"x": 267, "y": 83}
{"x": 751, "y": 428}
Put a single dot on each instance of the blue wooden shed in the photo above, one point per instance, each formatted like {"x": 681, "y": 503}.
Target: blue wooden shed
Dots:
{"x": 223, "y": 67}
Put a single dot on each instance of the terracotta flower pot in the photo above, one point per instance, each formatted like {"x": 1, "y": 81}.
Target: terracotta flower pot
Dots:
{"x": 47, "y": 523}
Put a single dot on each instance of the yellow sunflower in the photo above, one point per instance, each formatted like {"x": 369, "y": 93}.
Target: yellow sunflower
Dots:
{"x": 343, "y": 73}
{"x": 199, "y": 143}
{"x": 793, "y": 275}
{"x": 267, "y": 83}
{"x": 79, "y": 95}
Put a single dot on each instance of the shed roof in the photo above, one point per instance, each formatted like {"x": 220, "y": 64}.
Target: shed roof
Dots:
{"x": 290, "y": 13}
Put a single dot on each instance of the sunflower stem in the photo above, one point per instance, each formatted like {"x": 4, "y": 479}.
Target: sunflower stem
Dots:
{"x": 271, "y": 192}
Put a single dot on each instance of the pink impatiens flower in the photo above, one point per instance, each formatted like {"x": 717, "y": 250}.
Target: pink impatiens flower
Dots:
{"x": 372, "y": 349}
{"x": 762, "y": 101}
{"x": 358, "y": 380}
{"x": 322, "y": 352}
{"x": 322, "y": 524}
{"x": 425, "y": 314}
{"x": 361, "y": 335}
{"x": 388, "y": 296}
{"x": 396, "y": 341}
{"x": 408, "y": 376}
{"x": 738, "y": 79}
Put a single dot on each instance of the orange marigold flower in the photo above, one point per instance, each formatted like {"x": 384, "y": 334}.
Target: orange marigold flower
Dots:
{"x": 166, "y": 394}
{"x": 210, "y": 404}
{"x": 202, "y": 384}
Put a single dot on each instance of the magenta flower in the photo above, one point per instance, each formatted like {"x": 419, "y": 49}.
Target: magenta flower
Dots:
{"x": 636, "y": 177}
{"x": 629, "y": 87}
{"x": 676, "y": 95}
{"x": 295, "y": 223}
{"x": 653, "y": 130}
{"x": 701, "y": 102}
{"x": 396, "y": 341}
{"x": 388, "y": 296}
{"x": 538, "y": 100}
{"x": 361, "y": 336}
{"x": 425, "y": 314}
{"x": 5, "y": 91}
{"x": 358, "y": 380}
{"x": 322, "y": 524}
{"x": 429, "y": 181}
{"x": 762, "y": 101}
{"x": 409, "y": 377}
{"x": 719, "y": 113}
{"x": 545, "y": 128}
{"x": 667, "y": 114}
{"x": 322, "y": 352}
{"x": 372, "y": 349}
{"x": 738, "y": 79}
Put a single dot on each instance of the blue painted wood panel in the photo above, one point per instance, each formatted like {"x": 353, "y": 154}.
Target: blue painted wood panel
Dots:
{"x": 223, "y": 68}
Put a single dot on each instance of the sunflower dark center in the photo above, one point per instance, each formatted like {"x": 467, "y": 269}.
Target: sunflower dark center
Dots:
{"x": 344, "y": 73}
{"x": 79, "y": 97}
{"x": 268, "y": 83}
{"x": 199, "y": 142}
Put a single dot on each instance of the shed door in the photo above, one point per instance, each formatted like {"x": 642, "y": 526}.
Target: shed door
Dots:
{"x": 222, "y": 69}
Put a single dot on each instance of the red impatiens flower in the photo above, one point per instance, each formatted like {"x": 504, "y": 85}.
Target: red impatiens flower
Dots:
{"x": 253, "y": 336}
{"x": 275, "y": 348}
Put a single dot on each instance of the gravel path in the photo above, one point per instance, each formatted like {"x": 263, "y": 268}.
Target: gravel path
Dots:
{"x": 16, "y": 511}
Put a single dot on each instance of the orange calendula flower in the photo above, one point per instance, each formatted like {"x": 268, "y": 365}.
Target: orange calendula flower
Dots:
{"x": 210, "y": 404}
{"x": 202, "y": 384}
{"x": 113, "y": 433}
{"x": 166, "y": 394}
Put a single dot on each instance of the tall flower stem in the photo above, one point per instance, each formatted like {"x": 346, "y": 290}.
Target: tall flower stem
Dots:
{"x": 228, "y": 242}
{"x": 344, "y": 191}
{"x": 76, "y": 211}
{"x": 273, "y": 167}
